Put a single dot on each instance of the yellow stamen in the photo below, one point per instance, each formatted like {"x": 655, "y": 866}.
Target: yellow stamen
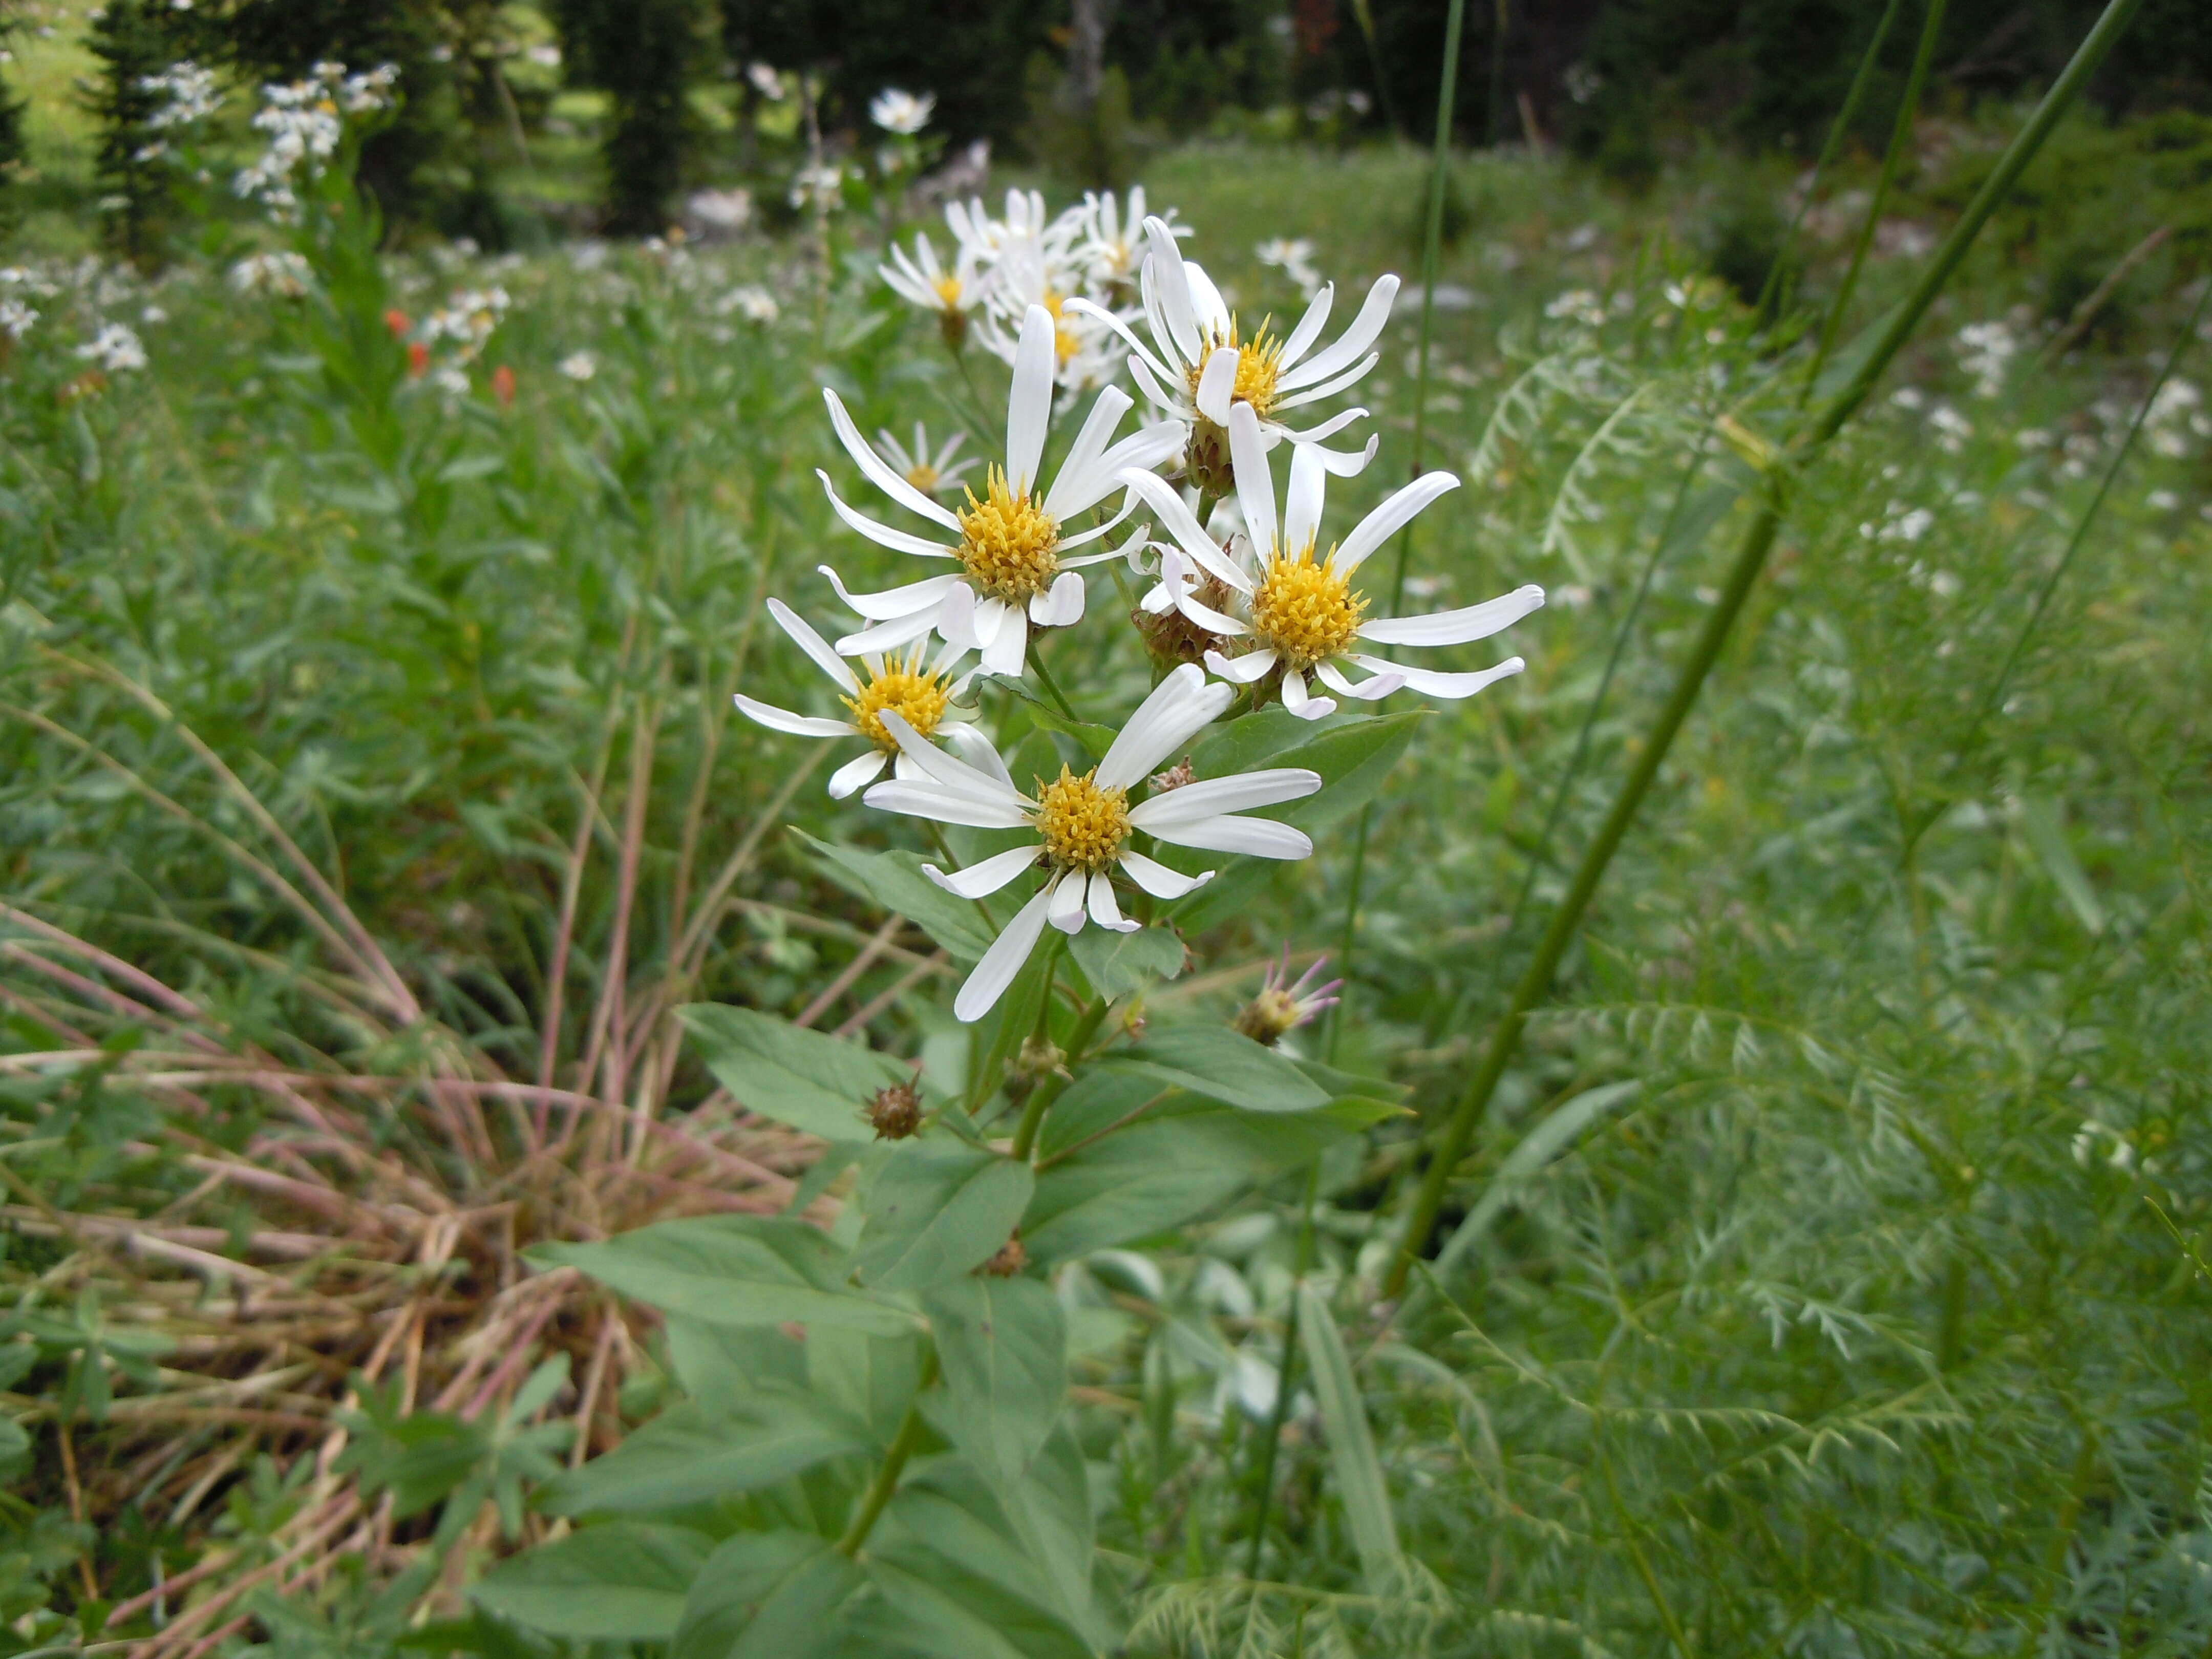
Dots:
{"x": 923, "y": 476}
{"x": 1007, "y": 543}
{"x": 918, "y": 694}
{"x": 948, "y": 292}
{"x": 1082, "y": 824}
{"x": 1064, "y": 343}
{"x": 1259, "y": 363}
{"x": 1307, "y": 611}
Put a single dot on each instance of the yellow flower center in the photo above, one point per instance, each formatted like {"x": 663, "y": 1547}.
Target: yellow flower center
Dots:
{"x": 1083, "y": 825}
{"x": 948, "y": 292}
{"x": 923, "y": 476}
{"x": 918, "y": 694}
{"x": 1307, "y": 611}
{"x": 1007, "y": 542}
{"x": 1063, "y": 338}
{"x": 1259, "y": 362}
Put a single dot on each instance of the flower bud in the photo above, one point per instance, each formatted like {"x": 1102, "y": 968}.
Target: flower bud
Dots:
{"x": 1280, "y": 1006}
{"x": 1010, "y": 1261}
{"x": 895, "y": 1113}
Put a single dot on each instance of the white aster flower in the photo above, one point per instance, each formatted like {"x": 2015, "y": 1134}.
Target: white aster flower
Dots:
{"x": 1013, "y": 568}
{"x": 1298, "y": 612}
{"x": 1199, "y": 365}
{"x": 1294, "y": 258}
{"x": 282, "y": 273}
{"x": 115, "y": 348}
{"x": 1112, "y": 245}
{"x": 579, "y": 365}
{"x": 926, "y": 470}
{"x": 752, "y": 302}
{"x": 16, "y": 318}
{"x": 922, "y": 280}
{"x": 1038, "y": 272}
{"x": 988, "y": 239}
{"x": 906, "y": 686}
{"x": 900, "y": 112}
{"x": 1084, "y": 824}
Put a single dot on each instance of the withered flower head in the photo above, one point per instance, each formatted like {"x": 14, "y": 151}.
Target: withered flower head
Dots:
{"x": 896, "y": 1112}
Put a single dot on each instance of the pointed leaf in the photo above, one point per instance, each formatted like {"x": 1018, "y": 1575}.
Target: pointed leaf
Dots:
{"x": 1120, "y": 964}
{"x": 768, "y": 1595}
{"x": 1003, "y": 1345}
{"x": 938, "y": 1211}
{"x": 624, "y": 1582}
{"x": 691, "y": 1454}
{"x": 808, "y": 1079}
{"x": 894, "y": 880}
{"x": 1225, "y": 1066}
{"x": 1359, "y": 1480}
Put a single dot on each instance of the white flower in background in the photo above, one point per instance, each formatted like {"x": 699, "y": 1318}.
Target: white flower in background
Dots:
{"x": 191, "y": 94}
{"x": 16, "y": 318}
{"x": 1577, "y": 305}
{"x": 751, "y": 301}
{"x": 902, "y": 113}
{"x": 1111, "y": 246}
{"x": 1035, "y": 272}
{"x": 1298, "y": 612}
{"x": 916, "y": 691}
{"x": 468, "y": 318}
{"x": 579, "y": 365}
{"x": 1202, "y": 365}
{"x": 304, "y": 123}
{"x": 1985, "y": 351}
{"x": 1084, "y": 824}
{"x": 1013, "y": 568}
{"x": 1294, "y": 258}
{"x": 114, "y": 348}
{"x": 2173, "y": 413}
{"x": 922, "y": 280}
{"x": 988, "y": 239}
{"x": 451, "y": 380}
{"x": 927, "y": 472}
{"x": 1952, "y": 428}
{"x": 820, "y": 188}
{"x": 766, "y": 81}
{"x": 283, "y": 273}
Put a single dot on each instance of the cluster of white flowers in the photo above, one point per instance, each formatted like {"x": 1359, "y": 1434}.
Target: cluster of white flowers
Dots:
{"x": 1985, "y": 351}
{"x": 1243, "y": 603}
{"x": 819, "y": 188}
{"x": 305, "y": 121}
{"x": 1577, "y": 305}
{"x": 16, "y": 318}
{"x": 468, "y": 320}
{"x": 114, "y": 349}
{"x": 190, "y": 92}
{"x": 282, "y": 273}
{"x": 750, "y": 301}
{"x": 902, "y": 113}
{"x": 2175, "y": 413}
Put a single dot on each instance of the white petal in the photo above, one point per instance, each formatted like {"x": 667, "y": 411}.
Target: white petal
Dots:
{"x": 1174, "y": 289}
{"x": 926, "y": 800}
{"x": 1206, "y": 301}
{"x": 1177, "y": 520}
{"x": 1029, "y": 400}
{"x": 1299, "y": 702}
{"x": 1476, "y": 622}
{"x": 1302, "y": 505}
{"x": 1313, "y": 394}
{"x": 799, "y": 725}
{"x": 1005, "y": 654}
{"x": 1245, "y": 669}
{"x": 1073, "y": 478}
{"x": 1179, "y": 707}
{"x": 996, "y": 971}
{"x": 1211, "y": 797}
{"x": 1430, "y": 684}
{"x": 879, "y": 475}
{"x": 1212, "y": 621}
{"x": 1103, "y": 910}
{"x": 1215, "y": 384}
{"x": 1143, "y": 449}
{"x": 949, "y": 771}
{"x": 1370, "y": 691}
{"x": 956, "y": 617}
{"x": 892, "y": 602}
{"x": 1346, "y": 463}
{"x": 1158, "y": 879}
{"x": 1260, "y": 837}
{"x": 855, "y": 773}
{"x": 816, "y": 648}
{"x": 882, "y": 534}
{"x": 1256, "y": 484}
{"x": 976, "y": 749}
{"x": 978, "y": 880}
{"x": 1063, "y": 601}
{"x": 1155, "y": 393}
{"x": 1065, "y": 912}
{"x": 1386, "y": 520}
{"x": 1313, "y": 434}
{"x": 1353, "y": 341}
{"x": 1309, "y": 328}
{"x": 890, "y": 635}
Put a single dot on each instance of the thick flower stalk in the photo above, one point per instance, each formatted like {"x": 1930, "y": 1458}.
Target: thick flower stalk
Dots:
{"x": 910, "y": 688}
{"x": 1012, "y": 556}
{"x": 1085, "y": 825}
{"x": 1199, "y": 365}
{"x": 1297, "y": 613}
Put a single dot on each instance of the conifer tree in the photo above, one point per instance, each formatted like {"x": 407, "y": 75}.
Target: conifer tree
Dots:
{"x": 642, "y": 53}
{"x": 132, "y": 41}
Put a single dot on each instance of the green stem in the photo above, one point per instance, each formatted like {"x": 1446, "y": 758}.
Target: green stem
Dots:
{"x": 1900, "y": 139}
{"x": 1285, "y": 1374}
{"x": 1044, "y": 678}
{"x": 1758, "y": 540}
{"x": 1049, "y": 1089}
{"x": 1770, "y": 291}
{"x": 895, "y": 1460}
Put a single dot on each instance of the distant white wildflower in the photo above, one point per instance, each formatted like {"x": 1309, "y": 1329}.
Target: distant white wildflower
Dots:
{"x": 903, "y": 112}
{"x": 16, "y": 318}
{"x": 579, "y": 365}
{"x": 2170, "y": 418}
{"x": 754, "y": 303}
{"x": 2163, "y": 500}
{"x": 282, "y": 273}
{"x": 822, "y": 188}
{"x": 926, "y": 470}
{"x": 449, "y": 378}
{"x": 1909, "y": 397}
{"x": 1577, "y": 305}
{"x": 1294, "y": 257}
{"x": 468, "y": 318}
{"x": 114, "y": 348}
{"x": 190, "y": 92}
{"x": 304, "y": 122}
{"x": 1952, "y": 428}
{"x": 544, "y": 55}
{"x": 766, "y": 81}
{"x": 1985, "y": 351}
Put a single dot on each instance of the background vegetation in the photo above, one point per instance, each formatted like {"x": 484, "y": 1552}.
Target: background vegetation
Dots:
{"x": 1829, "y": 1274}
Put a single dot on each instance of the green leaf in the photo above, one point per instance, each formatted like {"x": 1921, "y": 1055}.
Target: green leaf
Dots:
{"x": 1359, "y": 1480}
{"x": 692, "y": 1454}
{"x": 1181, "y": 1160}
{"x": 1561, "y": 1128}
{"x": 768, "y": 1595}
{"x": 948, "y": 1614}
{"x": 624, "y": 1582}
{"x": 1224, "y": 1065}
{"x": 1349, "y": 1085}
{"x": 938, "y": 1211}
{"x": 1003, "y": 1346}
{"x": 808, "y": 1079}
{"x": 1095, "y": 739}
{"x": 894, "y": 880}
{"x": 731, "y": 1270}
{"x": 2046, "y": 839}
{"x": 1120, "y": 964}
{"x": 1097, "y": 1101}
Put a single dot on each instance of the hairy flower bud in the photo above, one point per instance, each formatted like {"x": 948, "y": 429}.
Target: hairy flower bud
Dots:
{"x": 896, "y": 1112}
{"x": 1281, "y": 1006}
